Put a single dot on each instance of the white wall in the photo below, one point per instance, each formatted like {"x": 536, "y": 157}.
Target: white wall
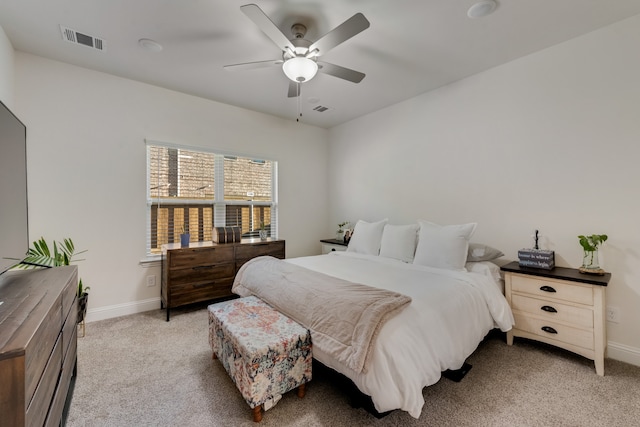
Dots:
{"x": 87, "y": 159}
{"x": 7, "y": 59}
{"x": 550, "y": 142}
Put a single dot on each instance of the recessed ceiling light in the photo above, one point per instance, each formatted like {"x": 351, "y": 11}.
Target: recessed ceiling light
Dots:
{"x": 482, "y": 9}
{"x": 151, "y": 45}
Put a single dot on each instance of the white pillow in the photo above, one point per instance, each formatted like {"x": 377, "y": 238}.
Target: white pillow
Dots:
{"x": 366, "y": 237}
{"x": 399, "y": 241}
{"x": 443, "y": 246}
{"x": 482, "y": 252}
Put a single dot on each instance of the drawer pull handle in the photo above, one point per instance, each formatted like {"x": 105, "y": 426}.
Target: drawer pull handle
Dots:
{"x": 549, "y": 329}
{"x": 202, "y": 267}
{"x": 547, "y": 289}
{"x": 548, "y": 309}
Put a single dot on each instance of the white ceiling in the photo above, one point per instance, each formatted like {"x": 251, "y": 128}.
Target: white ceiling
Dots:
{"x": 411, "y": 47}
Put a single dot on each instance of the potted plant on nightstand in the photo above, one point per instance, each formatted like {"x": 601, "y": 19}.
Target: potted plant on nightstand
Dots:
{"x": 340, "y": 232}
{"x": 590, "y": 262}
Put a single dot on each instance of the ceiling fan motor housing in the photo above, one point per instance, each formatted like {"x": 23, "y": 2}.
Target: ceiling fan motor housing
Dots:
{"x": 298, "y": 31}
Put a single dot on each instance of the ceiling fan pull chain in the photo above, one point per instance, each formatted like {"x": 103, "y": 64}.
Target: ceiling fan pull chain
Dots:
{"x": 299, "y": 106}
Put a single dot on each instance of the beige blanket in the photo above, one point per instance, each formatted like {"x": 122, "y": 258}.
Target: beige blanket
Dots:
{"x": 344, "y": 317}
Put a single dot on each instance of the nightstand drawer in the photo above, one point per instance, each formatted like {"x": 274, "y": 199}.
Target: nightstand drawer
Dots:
{"x": 555, "y": 331}
{"x": 328, "y": 248}
{"x": 553, "y": 311}
{"x": 552, "y": 289}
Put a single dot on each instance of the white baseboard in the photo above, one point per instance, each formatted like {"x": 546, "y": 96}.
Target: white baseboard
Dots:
{"x": 623, "y": 353}
{"x": 108, "y": 312}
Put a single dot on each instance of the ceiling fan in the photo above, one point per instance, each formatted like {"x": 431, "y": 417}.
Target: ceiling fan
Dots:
{"x": 300, "y": 56}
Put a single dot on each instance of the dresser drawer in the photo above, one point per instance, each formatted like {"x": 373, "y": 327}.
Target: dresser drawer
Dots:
{"x": 553, "y": 311}
{"x": 245, "y": 252}
{"x": 190, "y": 257}
{"x": 57, "y": 404}
{"x": 564, "y": 334}
{"x": 69, "y": 328}
{"x": 40, "y": 347}
{"x": 552, "y": 289}
{"x": 201, "y": 273}
{"x": 42, "y": 397}
{"x": 195, "y": 292}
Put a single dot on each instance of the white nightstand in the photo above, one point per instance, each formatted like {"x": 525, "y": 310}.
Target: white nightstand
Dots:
{"x": 332, "y": 245}
{"x": 561, "y": 307}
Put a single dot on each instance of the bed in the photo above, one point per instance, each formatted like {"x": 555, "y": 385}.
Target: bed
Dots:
{"x": 450, "y": 312}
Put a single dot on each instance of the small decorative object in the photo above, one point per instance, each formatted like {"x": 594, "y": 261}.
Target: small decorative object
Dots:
{"x": 340, "y": 232}
{"x": 226, "y": 234}
{"x": 590, "y": 262}
{"x": 263, "y": 231}
{"x": 185, "y": 237}
{"x": 536, "y": 258}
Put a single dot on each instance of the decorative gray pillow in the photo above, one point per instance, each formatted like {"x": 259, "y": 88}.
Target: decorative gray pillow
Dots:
{"x": 481, "y": 252}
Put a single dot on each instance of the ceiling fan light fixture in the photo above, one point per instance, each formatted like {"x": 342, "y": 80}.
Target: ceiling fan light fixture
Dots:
{"x": 300, "y": 69}
{"x": 482, "y": 9}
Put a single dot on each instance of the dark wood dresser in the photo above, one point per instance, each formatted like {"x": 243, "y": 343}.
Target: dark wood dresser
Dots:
{"x": 38, "y": 344}
{"x": 205, "y": 271}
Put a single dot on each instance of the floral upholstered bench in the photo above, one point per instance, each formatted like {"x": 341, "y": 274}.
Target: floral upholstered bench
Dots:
{"x": 265, "y": 353}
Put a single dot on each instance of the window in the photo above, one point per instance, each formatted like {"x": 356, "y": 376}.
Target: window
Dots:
{"x": 193, "y": 191}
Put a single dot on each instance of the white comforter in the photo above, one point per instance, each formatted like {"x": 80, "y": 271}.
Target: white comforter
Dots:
{"x": 450, "y": 313}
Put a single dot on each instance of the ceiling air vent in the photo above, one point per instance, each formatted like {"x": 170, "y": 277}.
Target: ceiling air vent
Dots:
{"x": 73, "y": 36}
{"x": 321, "y": 109}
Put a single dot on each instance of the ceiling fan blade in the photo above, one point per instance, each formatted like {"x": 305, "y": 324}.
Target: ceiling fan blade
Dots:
{"x": 340, "y": 72}
{"x": 294, "y": 89}
{"x": 253, "y": 65}
{"x": 349, "y": 28}
{"x": 267, "y": 26}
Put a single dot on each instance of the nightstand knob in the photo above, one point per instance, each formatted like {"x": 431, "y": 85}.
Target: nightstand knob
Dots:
{"x": 548, "y": 309}
{"x": 547, "y": 289}
{"x": 549, "y": 329}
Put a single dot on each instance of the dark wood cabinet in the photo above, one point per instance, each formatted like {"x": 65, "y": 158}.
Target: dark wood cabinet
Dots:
{"x": 205, "y": 271}
{"x": 38, "y": 345}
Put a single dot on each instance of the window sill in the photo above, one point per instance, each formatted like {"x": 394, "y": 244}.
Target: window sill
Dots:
{"x": 151, "y": 261}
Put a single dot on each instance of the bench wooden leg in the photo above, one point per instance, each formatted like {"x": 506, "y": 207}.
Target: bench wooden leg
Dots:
{"x": 257, "y": 413}
{"x": 301, "y": 390}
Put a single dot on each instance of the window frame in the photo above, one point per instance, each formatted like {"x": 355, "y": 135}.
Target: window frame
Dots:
{"x": 218, "y": 203}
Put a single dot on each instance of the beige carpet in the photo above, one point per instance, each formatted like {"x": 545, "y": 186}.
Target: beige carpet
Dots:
{"x": 139, "y": 370}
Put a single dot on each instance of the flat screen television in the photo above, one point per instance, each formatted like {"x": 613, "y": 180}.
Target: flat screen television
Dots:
{"x": 14, "y": 226}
